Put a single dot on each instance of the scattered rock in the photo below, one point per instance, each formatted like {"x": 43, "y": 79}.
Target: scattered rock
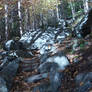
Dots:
{"x": 36, "y": 78}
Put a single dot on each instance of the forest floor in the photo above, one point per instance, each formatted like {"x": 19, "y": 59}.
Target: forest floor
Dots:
{"x": 83, "y": 54}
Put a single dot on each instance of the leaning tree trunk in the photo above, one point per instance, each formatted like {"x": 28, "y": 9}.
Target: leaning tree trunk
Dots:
{"x": 6, "y": 21}
{"x": 86, "y": 7}
{"x": 20, "y": 17}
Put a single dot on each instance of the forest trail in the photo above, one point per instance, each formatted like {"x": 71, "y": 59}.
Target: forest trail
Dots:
{"x": 29, "y": 66}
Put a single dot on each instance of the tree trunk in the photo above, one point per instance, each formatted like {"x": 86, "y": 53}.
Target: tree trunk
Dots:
{"x": 6, "y": 21}
{"x": 26, "y": 19}
{"x": 20, "y": 17}
{"x": 73, "y": 11}
{"x": 57, "y": 10}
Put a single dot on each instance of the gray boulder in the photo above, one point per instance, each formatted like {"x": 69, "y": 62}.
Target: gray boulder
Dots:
{"x": 9, "y": 72}
{"x": 60, "y": 59}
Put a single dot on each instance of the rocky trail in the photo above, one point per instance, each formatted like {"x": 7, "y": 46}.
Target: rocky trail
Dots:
{"x": 45, "y": 46}
{"x": 28, "y": 79}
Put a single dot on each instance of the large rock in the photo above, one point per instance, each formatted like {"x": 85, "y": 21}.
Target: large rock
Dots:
{"x": 55, "y": 80}
{"x": 45, "y": 43}
{"x": 8, "y": 72}
{"x": 38, "y": 39}
{"x": 59, "y": 58}
{"x": 13, "y": 45}
{"x": 28, "y": 36}
{"x": 42, "y": 40}
{"x": 7, "y": 45}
